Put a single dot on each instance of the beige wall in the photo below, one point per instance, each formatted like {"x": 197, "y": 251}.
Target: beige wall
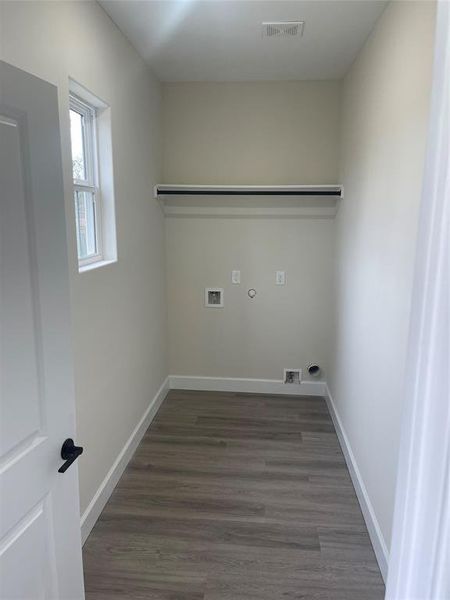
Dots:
{"x": 384, "y": 121}
{"x": 284, "y": 326}
{"x": 244, "y": 133}
{"x": 119, "y": 313}
{"x": 279, "y": 132}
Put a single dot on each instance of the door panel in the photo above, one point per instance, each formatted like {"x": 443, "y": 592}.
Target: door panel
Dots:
{"x": 27, "y": 545}
{"x": 21, "y": 419}
{"x": 40, "y": 543}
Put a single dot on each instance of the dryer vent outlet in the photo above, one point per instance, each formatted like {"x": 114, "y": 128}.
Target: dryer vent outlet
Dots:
{"x": 314, "y": 370}
{"x": 292, "y": 376}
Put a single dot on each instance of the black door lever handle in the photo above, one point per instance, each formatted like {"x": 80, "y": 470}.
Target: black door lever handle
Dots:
{"x": 69, "y": 453}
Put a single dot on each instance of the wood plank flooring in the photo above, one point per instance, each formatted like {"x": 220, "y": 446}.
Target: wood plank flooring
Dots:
{"x": 234, "y": 497}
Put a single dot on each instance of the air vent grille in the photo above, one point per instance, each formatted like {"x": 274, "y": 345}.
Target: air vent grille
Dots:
{"x": 286, "y": 29}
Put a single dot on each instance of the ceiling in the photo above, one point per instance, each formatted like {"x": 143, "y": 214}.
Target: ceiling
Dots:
{"x": 221, "y": 40}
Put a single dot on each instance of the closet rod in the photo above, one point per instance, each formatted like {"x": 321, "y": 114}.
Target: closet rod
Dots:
{"x": 249, "y": 193}
{"x": 167, "y": 189}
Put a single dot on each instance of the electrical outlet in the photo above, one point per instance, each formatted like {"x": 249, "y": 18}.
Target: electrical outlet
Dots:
{"x": 280, "y": 277}
{"x": 235, "y": 277}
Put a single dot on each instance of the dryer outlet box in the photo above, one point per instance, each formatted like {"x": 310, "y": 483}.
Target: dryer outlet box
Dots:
{"x": 292, "y": 376}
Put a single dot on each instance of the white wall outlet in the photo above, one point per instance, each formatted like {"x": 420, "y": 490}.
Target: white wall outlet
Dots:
{"x": 214, "y": 297}
{"x": 235, "y": 277}
{"x": 280, "y": 277}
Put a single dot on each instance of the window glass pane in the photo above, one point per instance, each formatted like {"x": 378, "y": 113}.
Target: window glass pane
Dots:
{"x": 85, "y": 211}
{"x": 76, "y": 138}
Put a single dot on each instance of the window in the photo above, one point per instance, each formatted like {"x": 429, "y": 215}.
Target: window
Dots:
{"x": 93, "y": 178}
{"x": 86, "y": 190}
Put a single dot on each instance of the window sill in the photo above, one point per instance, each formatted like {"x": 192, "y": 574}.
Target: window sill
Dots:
{"x": 96, "y": 265}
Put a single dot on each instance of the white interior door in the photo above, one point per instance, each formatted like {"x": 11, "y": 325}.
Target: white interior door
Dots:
{"x": 40, "y": 545}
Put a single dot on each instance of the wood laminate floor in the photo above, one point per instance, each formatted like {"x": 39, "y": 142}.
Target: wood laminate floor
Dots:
{"x": 234, "y": 497}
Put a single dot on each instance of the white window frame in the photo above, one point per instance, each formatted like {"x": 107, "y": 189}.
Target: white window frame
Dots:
{"x": 91, "y": 181}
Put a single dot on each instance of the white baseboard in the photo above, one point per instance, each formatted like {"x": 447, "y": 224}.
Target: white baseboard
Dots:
{"x": 96, "y": 505}
{"x": 250, "y": 386}
{"x": 376, "y": 536}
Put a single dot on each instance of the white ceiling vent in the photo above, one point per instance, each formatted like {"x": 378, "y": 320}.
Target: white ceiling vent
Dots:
{"x": 285, "y": 29}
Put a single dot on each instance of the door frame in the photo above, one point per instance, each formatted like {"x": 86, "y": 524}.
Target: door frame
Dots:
{"x": 420, "y": 548}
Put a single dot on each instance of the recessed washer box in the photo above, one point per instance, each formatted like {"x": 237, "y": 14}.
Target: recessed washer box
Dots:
{"x": 214, "y": 297}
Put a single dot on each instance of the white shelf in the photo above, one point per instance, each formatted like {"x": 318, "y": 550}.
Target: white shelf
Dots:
{"x": 285, "y": 201}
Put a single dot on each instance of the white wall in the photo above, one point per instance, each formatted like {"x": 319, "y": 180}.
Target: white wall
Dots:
{"x": 244, "y": 133}
{"x": 119, "y": 314}
{"x": 283, "y": 326}
{"x": 260, "y": 133}
{"x": 384, "y": 119}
